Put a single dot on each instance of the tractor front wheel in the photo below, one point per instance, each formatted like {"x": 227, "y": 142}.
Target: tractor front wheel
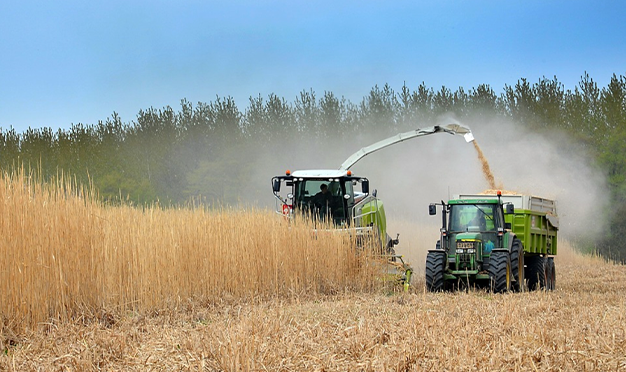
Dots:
{"x": 500, "y": 271}
{"x": 435, "y": 262}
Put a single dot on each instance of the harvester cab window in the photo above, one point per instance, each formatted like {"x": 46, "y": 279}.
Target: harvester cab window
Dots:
{"x": 306, "y": 191}
{"x": 335, "y": 188}
{"x": 321, "y": 196}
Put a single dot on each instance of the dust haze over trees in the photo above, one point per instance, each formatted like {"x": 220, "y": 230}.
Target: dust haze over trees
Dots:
{"x": 207, "y": 152}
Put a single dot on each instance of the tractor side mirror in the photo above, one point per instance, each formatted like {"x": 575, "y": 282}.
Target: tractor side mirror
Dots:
{"x": 276, "y": 185}
{"x": 432, "y": 209}
{"x": 365, "y": 186}
{"x": 510, "y": 209}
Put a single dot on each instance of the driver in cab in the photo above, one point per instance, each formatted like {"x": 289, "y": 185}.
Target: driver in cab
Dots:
{"x": 323, "y": 197}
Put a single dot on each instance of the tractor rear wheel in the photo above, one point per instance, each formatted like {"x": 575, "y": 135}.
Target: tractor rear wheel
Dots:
{"x": 537, "y": 272}
{"x": 500, "y": 271}
{"x": 517, "y": 265}
{"x": 435, "y": 262}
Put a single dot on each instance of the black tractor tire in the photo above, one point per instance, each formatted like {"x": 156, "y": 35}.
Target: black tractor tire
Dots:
{"x": 536, "y": 272}
{"x": 551, "y": 275}
{"x": 435, "y": 262}
{"x": 500, "y": 272}
{"x": 517, "y": 265}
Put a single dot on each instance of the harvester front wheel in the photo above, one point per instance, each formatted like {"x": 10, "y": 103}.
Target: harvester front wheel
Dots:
{"x": 537, "y": 272}
{"x": 500, "y": 271}
{"x": 517, "y": 265}
{"x": 435, "y": 262}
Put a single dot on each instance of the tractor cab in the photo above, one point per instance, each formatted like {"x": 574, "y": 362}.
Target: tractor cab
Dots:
{"x": 474, "y": 225}
{"x": 325, "y": 194}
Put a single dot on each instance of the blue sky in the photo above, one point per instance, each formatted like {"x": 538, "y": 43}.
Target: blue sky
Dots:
{"x": 67, "y": 62}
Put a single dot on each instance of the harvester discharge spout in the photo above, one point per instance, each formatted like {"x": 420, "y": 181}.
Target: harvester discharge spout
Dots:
{"x": 459, "y": 129}
{"x": 448, "y": 128}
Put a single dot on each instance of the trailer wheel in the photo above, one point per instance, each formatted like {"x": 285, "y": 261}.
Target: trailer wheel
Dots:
{"x": 500, "y": 272}
{"x": 435, "y": 262}
{"x": 536, "y": 273}
{"x": 517, "y": 265}
{"x": 551, "y": 277}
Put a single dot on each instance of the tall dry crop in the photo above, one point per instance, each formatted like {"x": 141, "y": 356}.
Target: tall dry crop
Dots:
{"x": 64, "y": 254}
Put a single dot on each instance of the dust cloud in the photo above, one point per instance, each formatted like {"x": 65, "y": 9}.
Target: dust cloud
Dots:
{"x": 413, "y": 174}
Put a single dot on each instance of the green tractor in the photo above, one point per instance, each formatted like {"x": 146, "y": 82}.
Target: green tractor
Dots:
{"x": 499, "y": 242}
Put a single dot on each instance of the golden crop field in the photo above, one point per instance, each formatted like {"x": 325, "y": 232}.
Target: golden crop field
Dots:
{"x": 90, "y": 287}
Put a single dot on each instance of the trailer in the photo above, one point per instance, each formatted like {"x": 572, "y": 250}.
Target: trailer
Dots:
{"x": 501, "y": 241}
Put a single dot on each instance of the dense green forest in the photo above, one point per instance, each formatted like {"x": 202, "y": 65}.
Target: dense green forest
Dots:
{"x": 202, "y": 152}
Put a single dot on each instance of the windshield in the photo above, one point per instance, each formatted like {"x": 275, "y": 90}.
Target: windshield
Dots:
{"x": 324, "y": 197}
{"x": 473, "y": 217}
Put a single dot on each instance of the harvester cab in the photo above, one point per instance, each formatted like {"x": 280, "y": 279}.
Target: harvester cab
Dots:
{"x": 331, "y": 195}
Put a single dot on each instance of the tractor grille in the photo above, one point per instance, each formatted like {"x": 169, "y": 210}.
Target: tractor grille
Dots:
{"x": 461, "y": 244}
{"x": 465, "y": 250}
{"x": 463, "y": 258}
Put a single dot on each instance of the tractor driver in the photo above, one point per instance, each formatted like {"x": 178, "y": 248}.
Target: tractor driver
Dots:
{"x": 479, "y": 221}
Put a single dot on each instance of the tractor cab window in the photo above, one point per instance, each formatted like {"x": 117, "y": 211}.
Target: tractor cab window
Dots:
{"x": 473, "y": 217}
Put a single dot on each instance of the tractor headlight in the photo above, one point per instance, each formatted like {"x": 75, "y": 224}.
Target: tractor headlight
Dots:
{"x": 471, "y": 251}
{"x": 459, "y": 250}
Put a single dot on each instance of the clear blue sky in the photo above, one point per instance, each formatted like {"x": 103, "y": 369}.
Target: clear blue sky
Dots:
{"x": 64, "y": 62}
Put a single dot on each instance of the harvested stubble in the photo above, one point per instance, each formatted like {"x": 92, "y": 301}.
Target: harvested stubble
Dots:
{"x": 580, "y": 326}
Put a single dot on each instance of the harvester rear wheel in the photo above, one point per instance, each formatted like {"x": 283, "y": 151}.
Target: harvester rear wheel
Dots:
{"x": 435, "y": 262}
{"x": 537, "y": 272}
{"x": 500, "y": 271}
{"x": 517, "y": 265}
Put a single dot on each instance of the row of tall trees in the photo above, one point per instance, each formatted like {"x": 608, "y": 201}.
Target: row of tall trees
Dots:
{"x": 206, "y": 149}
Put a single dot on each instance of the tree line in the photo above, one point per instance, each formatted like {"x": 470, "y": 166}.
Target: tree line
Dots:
{"x": 203, "y": 150}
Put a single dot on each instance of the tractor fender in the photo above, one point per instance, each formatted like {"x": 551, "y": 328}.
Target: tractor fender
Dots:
{"x": 510, "y": 237}
{"x": 500, "y": 250}
{"x": 437, "y": 247}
